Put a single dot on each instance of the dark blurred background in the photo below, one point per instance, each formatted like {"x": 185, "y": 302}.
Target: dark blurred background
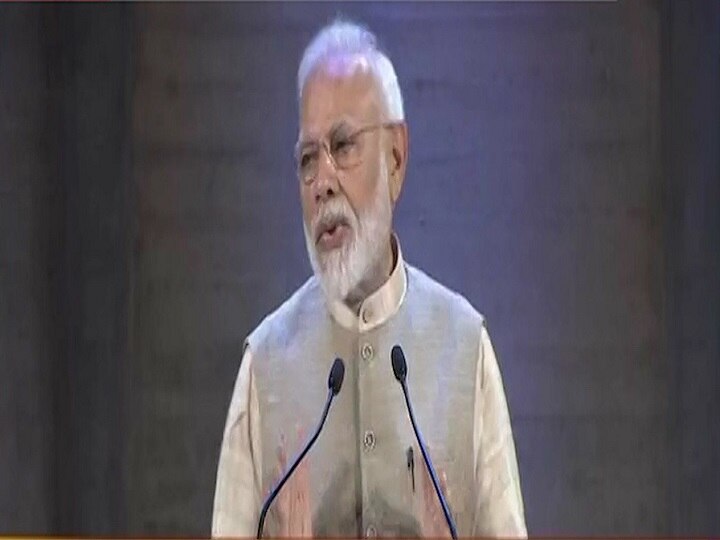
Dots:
{"x": 564, "y": 176}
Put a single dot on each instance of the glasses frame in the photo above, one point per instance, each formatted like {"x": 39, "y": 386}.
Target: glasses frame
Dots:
{"x": 324, "y": 144}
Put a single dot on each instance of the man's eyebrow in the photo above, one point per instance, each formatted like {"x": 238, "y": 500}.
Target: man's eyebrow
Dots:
{"x": 301, "y": 145}
{"x": 339, "y": 127}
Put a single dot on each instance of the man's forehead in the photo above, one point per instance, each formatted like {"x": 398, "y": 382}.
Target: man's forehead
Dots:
{"x": 339, "y": 89}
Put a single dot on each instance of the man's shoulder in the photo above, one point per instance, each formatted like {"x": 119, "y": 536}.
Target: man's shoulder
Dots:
{"x": 288, "y": 318}
{"x": 434, "y": 295}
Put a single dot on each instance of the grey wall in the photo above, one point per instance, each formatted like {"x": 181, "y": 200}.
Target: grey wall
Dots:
{"x": 564, "y": 176}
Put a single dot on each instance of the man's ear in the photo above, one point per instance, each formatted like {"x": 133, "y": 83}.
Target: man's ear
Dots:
{"x": 398, "y": 160}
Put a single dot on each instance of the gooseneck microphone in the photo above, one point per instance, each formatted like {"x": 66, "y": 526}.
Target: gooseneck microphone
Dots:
{"x": 400, "y": 370}
{"x": 335, "y": 380}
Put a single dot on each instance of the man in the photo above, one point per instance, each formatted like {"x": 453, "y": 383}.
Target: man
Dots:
{"x": 365, "y": 476}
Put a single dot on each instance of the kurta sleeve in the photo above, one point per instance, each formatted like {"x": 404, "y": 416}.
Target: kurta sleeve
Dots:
{"x": 499, "y": 506}
{"x": 238, "y": 484}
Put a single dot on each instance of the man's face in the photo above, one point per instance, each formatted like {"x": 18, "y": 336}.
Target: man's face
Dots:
{"x": 347, "y": 210}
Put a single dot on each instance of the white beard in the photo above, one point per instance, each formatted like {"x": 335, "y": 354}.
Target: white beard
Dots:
{"x": 341, "y": 271}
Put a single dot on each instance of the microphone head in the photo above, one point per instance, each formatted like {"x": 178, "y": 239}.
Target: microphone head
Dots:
{"x": 337, "y": 374}
{"x": 398, "y": 363}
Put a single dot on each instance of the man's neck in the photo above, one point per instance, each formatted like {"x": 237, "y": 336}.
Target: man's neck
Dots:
{"x": 378, "y": 277}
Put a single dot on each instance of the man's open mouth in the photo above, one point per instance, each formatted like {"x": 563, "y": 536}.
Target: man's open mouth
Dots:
{"x": 329, "y": 232}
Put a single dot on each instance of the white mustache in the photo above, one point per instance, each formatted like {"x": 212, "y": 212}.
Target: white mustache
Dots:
{"x": 333, "y": 212}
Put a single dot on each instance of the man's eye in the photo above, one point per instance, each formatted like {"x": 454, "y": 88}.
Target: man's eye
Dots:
{"x": 306, "y": 159}
{"x": 342, "y": 145}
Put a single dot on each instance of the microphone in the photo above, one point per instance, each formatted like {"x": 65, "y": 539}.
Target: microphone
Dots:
{"x": 400, "y": 370}
{"x": 335, "y": 380}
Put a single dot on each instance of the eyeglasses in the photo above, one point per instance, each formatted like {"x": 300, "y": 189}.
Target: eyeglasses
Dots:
{"x": 343, "y": 148}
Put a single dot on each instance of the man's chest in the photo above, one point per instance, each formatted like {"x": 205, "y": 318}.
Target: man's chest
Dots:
{"x": 366, "y": 469}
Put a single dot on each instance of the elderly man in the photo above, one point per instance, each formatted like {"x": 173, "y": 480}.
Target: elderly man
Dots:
{"x": 365, "y": 475}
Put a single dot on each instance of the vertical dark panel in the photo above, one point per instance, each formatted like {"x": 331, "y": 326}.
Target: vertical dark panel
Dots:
{"x": 90, "y": 71}
{"x": 691, "y": 113}
{"x": 29, "y": 259}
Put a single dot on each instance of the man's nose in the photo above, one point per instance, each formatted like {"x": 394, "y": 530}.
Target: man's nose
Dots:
{"x": 326, "y": 181}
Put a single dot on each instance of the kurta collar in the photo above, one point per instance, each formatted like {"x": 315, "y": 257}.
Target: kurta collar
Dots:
{"x": 380, "y": 305}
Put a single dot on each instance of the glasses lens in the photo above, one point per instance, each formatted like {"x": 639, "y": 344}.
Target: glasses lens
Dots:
{"x": 345, "y": 151}
{"x": 307, "y": 164}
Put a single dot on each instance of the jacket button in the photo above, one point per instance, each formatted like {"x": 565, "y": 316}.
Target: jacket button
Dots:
{"x": 369, "y": 440}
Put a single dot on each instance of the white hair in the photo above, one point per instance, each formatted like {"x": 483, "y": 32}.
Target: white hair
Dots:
{"x": 342, "y": 37}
